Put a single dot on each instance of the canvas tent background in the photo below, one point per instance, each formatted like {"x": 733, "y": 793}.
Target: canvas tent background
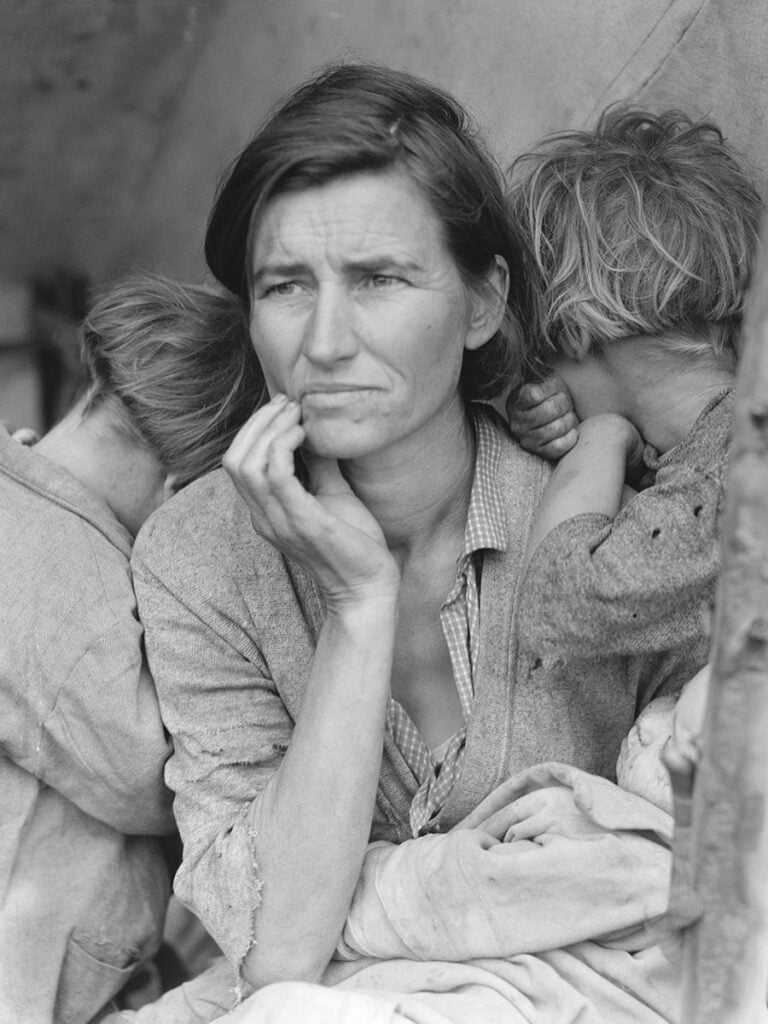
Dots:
{"x": 118, "y": 117}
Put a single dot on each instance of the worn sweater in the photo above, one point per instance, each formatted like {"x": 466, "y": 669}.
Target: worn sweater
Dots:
{"x": 231, "y": 628}
{"x": 644, "y": 581}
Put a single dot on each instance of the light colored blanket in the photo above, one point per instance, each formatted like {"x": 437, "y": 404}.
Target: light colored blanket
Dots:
{"x": 542, "y": 907}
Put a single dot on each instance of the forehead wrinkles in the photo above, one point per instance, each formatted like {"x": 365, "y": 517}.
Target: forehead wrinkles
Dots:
{"x": 348, "y": 221}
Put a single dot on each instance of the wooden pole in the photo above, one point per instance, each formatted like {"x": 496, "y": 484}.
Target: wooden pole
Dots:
{"x": 725, "y": 955}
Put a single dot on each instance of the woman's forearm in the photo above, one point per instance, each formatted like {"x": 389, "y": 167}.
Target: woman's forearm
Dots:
{"x": 312, "y": 822}
{"x": 538, "y": 873}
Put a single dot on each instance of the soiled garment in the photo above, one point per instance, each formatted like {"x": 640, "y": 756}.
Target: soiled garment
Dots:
{"x": 552, "y": 857}
{"x": 544, "y": 906}
{"x": 231, "y": 628}
{"x": 515, "y": 917}
{"x": 645, "y": 580}
{"x": 83, "y": 881}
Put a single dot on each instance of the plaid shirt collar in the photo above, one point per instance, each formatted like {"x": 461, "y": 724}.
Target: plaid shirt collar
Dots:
{"x": 485, "y": 518}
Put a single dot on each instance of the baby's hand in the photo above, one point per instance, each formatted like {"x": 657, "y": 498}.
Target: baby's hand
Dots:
{"x": 542, "y": 418}
{"x": 25, "y": 435}
{"x": 552, "y": 810}
{"x": 683, "y": 752}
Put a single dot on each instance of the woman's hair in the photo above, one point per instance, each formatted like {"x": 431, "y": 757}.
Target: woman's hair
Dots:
{"x": 646, "y": 225}
{"x": 357, "y": 117}
{"x": 176, "y": 363}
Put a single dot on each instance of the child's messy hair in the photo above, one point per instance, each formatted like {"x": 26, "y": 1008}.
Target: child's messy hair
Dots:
{"x": 646, "y": 225}
{"x": 176, "y": 364}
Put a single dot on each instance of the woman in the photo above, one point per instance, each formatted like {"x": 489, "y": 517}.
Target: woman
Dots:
{"x": 333, "y": 636}
{"x": 83, "y": 877}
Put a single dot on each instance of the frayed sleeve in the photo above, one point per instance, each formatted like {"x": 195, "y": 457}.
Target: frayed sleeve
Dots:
{"x": 230, "y": 730}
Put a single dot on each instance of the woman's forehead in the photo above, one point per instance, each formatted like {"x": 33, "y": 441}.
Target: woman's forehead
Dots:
{"x": 361, "y": 215}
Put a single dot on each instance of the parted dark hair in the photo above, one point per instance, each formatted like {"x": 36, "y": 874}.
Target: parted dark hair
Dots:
{"x": 646, "y": 225}
{"x": 176, "y": 364}
{"x": 357, "y": 117}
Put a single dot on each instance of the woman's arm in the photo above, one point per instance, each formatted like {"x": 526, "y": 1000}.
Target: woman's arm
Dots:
{"x": 314, "y": 816}
{"x": 290, "y": 826}
{"x": 572, "y": 861}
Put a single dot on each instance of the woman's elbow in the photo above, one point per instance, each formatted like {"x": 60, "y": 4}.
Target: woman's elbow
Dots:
{"x": 262, "y": 967}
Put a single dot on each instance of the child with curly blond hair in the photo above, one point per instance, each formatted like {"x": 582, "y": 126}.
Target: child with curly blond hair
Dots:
{"x": 639, "y": 239}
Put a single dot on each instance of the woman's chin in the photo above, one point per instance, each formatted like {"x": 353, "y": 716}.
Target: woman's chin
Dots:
{"x": 339, "y": 441}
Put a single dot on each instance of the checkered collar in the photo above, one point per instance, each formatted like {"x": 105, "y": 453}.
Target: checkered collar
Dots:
{"x": 486, "y": 527}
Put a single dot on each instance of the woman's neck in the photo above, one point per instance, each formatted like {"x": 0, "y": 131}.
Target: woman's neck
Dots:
{"x": 418, "y": 491}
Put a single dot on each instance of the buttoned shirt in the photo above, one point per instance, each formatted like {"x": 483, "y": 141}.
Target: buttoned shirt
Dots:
{"x": 436, "y": 771}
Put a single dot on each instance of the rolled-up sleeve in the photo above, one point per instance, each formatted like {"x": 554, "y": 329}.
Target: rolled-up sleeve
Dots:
{"x": 637, "y": 584}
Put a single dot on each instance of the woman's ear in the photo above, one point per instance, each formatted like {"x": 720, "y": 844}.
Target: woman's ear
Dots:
{"x": 489, "y": 303}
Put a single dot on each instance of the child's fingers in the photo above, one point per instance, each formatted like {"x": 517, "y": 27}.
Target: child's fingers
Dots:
{"x": 551, "y": 430}
{"x": 528, "y": 394}
{"x": 533, "y": 393}
{"x": 550, "y": 409}
{"x": 558, "y": 446}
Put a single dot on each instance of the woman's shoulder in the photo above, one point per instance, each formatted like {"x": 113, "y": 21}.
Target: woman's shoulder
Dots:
{"x": 519, "y": 475}
{"x": 205, "y": 528}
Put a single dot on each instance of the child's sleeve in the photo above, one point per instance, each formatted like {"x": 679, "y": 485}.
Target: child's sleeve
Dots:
{"x": 636, "y": 584}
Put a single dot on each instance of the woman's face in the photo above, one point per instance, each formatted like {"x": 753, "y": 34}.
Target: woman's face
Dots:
{"x": 359, "y": 312}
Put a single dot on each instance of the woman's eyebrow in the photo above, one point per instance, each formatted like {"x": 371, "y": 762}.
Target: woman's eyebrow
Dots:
{"x": 276, "y": 270}
{"x": 376, "y": 264}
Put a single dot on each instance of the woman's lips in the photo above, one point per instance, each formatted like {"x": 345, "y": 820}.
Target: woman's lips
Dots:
{"x": 329, "y": 397}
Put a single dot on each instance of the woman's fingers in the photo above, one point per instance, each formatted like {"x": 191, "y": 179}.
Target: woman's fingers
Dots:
{"x": 261, "y": 465}
{"x": 329, "y": 531}
{"x": 258, "y": 432}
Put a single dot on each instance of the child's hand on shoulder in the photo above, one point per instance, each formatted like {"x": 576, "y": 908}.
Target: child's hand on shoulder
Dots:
{"x": 542, "y": 418}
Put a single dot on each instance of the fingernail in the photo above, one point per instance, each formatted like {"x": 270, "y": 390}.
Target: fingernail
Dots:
{"x": 280, "y": 399}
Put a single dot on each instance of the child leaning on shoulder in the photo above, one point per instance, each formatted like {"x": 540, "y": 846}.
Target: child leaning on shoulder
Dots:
{"x": 639, "y": 238}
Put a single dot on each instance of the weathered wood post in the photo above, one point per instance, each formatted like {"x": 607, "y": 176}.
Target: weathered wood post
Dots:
{"x": 726, "y": 951}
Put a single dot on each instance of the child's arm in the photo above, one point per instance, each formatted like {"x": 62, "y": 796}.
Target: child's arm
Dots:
{"x": 639, "y": 580}
{"x": 590, "y": 477}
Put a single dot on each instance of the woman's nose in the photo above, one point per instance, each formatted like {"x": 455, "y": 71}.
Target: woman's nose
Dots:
{"x": 330, "y": 334}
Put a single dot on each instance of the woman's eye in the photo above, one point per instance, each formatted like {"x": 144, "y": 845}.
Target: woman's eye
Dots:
{"x": 384, "y": 280}
{"x": 283, "y": 288}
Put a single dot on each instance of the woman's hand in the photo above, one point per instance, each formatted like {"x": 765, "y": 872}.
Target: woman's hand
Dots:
{"x": 542, "y": 418}
{"x": 329, "y": 531}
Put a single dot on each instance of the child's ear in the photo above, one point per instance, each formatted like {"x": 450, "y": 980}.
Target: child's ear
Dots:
{"x": 170, "y": 486}
{"x": 489, "y": 303}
